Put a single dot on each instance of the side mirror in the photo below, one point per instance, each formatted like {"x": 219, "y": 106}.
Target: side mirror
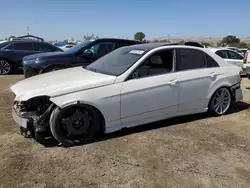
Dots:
{"x": 87, "y": 54}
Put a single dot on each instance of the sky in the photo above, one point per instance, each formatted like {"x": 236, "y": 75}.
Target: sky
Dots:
{"x": 66, "y": 19}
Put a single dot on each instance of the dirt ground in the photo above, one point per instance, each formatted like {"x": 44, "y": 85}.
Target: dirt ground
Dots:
{"x": 191, "y": 151}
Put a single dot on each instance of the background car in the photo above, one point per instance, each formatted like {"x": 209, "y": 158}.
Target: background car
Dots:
{"x": 243, "y": 50}
{"x": 66, "y": 46}
{"x": 12, "y": 53}
{"x": 246, "y": 65}
{"x": 130, "y": 86}
{"x": 230, "y": 56}
{"x": 235, "y": 49}
{"x": 79, "y": 55}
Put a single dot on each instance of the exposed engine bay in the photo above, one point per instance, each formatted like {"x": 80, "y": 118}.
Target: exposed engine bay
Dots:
{"x": 37, "y": 112}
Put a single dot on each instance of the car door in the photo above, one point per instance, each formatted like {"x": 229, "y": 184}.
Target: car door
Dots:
{"x": 96, "y": 51}
{"x": 150, "y": 97}
{"x": 235, "y": 58}
{"x": 18, "y": 50}
{"x": 195, "y": 79}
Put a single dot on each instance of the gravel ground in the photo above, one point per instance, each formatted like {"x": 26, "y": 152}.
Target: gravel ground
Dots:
{"x": 191, "y": 151}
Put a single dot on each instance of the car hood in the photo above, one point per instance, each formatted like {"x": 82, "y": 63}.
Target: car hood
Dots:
{"x": 60, "y": 82}
{"x": 46, "y": 55}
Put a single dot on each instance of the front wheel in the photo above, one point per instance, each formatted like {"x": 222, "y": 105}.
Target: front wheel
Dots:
{"x": 75, "y": 124}
{"x": 5, "y": 67}
{"x": 220, "y": 102}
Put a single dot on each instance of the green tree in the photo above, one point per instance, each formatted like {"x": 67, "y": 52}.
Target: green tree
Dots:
{"x": 230, "y": 40}
{"x": 243, "y": 45}
{"x": 139, "y": 36}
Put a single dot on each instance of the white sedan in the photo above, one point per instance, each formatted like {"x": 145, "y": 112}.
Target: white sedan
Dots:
{"x": 131, "y": 86}
{"x": 229, "y": 55}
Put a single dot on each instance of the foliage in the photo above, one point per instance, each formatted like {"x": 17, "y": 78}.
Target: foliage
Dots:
{"x": 230, "y": 40}
{"x": 164, "y": 40}
{"x": 139, "y": 36}
{"x": 243, "y": 45}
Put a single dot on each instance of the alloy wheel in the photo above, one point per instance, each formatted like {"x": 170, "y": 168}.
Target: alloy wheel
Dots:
{"x": 5, "y": 67}
{"x": 221, "y": 101}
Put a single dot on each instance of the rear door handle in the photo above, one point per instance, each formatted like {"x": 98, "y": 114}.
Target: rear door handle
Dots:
{"x": 173, "y": 82}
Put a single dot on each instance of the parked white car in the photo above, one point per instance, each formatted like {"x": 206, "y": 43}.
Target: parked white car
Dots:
{"x": 131, "y": 86}
{"x": 246, "y": 65}
{"x": 66, "y": 47}
{"x": 235, "y": 49}
{"x": 228, "y": 55}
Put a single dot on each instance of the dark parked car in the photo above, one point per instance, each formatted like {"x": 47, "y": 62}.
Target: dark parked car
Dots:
{"x": 79, "y": 55}
{"x": 12, "y": 53}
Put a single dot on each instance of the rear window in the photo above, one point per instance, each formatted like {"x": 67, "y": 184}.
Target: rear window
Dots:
{"x": 210, "y": 61}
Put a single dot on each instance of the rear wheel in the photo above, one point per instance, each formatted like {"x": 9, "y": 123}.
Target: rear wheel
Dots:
{"x": 5, "y": 67}
{"x": 75, "y": 124}
{"x": 220, "y": 102}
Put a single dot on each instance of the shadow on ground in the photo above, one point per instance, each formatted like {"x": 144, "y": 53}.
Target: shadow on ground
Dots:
{"x": 235, "y": 108}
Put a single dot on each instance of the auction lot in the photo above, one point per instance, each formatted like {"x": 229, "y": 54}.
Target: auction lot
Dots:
{"x": 191, "y": 151}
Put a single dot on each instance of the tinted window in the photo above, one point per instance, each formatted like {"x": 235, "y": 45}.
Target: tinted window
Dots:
{"x": 211, "y": 62}
{"x": 79, "y": 47}
{"x": 234, "y": 55}
{"x": 124, "y": 43}
{"x": 9, "y": 47}
{"x": 42, "y": 47}
{"x": 27, "y": 46}
{"x": 101, "y": 49}
{"x": 222, "y": 54}
{"x": 190, "y": 59}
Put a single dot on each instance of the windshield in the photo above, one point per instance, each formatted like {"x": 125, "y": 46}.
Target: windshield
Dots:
{"x": 117, "y": 62}
{"x": 79, "y": 46}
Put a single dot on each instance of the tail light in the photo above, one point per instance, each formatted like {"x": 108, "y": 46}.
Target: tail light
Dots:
{"x": 245, "y": 57}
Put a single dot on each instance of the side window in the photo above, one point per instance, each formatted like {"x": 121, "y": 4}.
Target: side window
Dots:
{"x": 124, "y": 43}
{"x": 101, "y": 49}
{"x": 42, "y": 47}
{"x": 234, "y": 55}
{"x": 190, "y": 59}
{"x": 222, "y": 54}
{"x": 25, "y": 46}
{"x": 9, "y": 47}
{"x": 159, "y": 63}
{"x": 210, "y": 61}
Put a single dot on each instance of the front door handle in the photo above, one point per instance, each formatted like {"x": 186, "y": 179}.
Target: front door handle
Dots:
{"x": 173, "y": 82}
{"x": 212, "y": 74}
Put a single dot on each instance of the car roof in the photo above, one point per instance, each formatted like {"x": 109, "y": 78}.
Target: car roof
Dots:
{"x": 148, "y": 46}
{"x": 117, "y": 39}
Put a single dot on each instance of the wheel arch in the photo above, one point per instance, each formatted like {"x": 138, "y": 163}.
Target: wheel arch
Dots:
{"x": 46, "y": 68}
{"x": 226, "y": 85}
{"x": 80, "y": 102}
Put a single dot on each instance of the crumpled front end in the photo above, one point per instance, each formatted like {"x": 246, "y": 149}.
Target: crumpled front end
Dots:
{"x": 33, "y": 116}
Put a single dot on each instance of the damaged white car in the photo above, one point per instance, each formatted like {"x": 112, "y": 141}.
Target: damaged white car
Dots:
{"x": 131, "y": 86}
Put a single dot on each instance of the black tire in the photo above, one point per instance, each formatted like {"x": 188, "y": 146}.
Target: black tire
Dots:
{"x": 3, "y": 65}
{"x": 56, "y": 125}
{"x": 53, "y": 68}
{"x": 211, "y": 105}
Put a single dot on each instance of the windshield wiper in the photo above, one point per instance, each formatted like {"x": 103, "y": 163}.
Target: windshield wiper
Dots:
{"x": 91, "y": 69}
